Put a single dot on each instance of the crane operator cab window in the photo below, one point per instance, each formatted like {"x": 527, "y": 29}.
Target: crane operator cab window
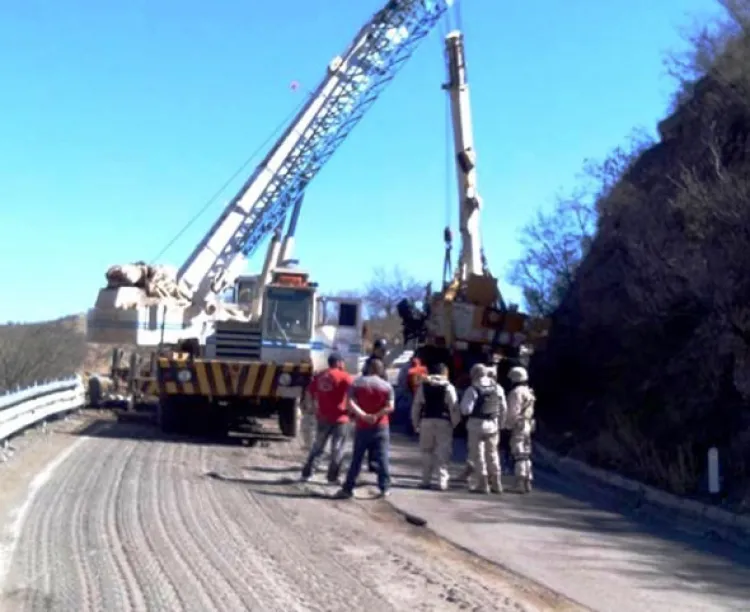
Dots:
{"x": 288, "y": 314}
{"x": 337, "y": 312}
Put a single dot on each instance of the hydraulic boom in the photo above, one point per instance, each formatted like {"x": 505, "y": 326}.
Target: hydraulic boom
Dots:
{"x": 353, "y": 82}
{"x": 470, "y": 260}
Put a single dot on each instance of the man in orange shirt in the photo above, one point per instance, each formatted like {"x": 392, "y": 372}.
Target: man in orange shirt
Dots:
{"x": 371, "y": 401}
{"x": 330, "y": 390}
{"x": 417, "y": 372}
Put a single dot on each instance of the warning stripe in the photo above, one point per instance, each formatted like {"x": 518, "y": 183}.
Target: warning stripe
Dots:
{"x": 228, "y": 378}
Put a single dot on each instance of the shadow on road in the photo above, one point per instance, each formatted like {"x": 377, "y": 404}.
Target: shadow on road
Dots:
{"x": 143, "y": 430}
{"x": 589, "y": 526}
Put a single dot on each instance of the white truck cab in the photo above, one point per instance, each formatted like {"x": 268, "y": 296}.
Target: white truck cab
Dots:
{"x": 296, "y": 324}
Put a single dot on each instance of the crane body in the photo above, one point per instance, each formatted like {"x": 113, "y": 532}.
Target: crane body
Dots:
{"x": 263, "y": 344}
{"x": 468, "y": 321}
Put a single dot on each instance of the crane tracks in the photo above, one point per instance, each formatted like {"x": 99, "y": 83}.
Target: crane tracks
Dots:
{"x": 130, "y": 522}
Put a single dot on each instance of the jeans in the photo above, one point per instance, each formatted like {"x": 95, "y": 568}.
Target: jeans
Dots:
{"x": 337, "y": 433}
{"x": 376, "y": 442}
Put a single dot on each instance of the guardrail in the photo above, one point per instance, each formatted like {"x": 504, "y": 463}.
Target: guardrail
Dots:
{"x": 24, "y": 408}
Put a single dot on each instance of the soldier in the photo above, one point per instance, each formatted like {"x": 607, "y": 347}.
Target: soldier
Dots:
{"x": 520, "y": 420}
{"x": 379, "y": 349}
{"x": 434, "y": 414}
{"x": 484, "y": 403}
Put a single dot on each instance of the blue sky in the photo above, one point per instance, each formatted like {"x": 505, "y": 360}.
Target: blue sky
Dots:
{"x": 120, "y": 119}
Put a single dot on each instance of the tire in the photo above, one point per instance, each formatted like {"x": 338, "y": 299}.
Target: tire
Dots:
{"x": 167, "y": 416}
{"x": 95, "y": 392}
{"x": 289, "y": 421}
{"x": 212, "y": 421}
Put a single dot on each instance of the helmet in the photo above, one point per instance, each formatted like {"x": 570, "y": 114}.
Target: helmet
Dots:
{"x": 518, "y": 375}
{"x": 477, "y": 371}
{"x": 380, "y": 344}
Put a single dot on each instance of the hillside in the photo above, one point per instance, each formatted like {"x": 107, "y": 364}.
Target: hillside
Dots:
{"x": 648, "y": 363}
{"x": 32, "y": 352}
{"x": 38, "y": 351}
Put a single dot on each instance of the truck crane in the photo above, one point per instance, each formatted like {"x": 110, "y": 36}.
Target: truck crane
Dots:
{"x": 253, "y": 356}
{"x": 468, "y": 321}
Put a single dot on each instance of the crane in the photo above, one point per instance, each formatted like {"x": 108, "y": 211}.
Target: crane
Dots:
{"x": 468, "y": 321}
{"x": 353, "y": 81}
{"x": 262, "y": 350}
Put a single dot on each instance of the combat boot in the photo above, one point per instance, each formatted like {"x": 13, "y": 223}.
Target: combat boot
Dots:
{"x": 524, "y": 484}
{"x": 480, "y": 485}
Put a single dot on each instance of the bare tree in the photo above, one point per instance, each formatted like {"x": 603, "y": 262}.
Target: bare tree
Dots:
{"x": 31, "y": 353}
{"x": 555, "y": 243}
{"x": 387, "y": 288}
{"x": 717, "y": 47}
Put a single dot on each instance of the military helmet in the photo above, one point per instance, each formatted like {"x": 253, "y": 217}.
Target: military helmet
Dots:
{"x": 518, "y": 375}
{"x": 477, "y": 371}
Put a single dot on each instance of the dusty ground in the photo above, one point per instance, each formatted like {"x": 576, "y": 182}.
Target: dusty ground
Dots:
{"x": 121, "y": 520}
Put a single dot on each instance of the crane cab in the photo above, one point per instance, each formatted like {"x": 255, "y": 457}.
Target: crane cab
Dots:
{"x": 298, "y": 324}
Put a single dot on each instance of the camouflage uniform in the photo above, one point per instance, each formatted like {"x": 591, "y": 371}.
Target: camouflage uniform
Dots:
{"x": 520, "y": 420}
{"x": 484, "y": 403}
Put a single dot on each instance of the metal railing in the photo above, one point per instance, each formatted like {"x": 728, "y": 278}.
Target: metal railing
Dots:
{"x": 21, "y": 409}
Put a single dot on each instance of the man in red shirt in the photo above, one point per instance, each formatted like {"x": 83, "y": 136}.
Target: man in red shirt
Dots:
{"x": 371, "y": 401}
{"x": 329, "y": 391}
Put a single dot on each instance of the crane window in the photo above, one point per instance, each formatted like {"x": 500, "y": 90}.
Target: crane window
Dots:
{"x": 288, "y": 314}
{"x": 347, "y": 315}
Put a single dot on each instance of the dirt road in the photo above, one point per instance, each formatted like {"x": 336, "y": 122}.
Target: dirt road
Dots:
{"x": 121, "y": 520}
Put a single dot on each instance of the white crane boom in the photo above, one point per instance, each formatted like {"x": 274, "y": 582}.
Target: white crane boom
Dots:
{"x": 352, "y": 83}
{"x": 470, "y": 260}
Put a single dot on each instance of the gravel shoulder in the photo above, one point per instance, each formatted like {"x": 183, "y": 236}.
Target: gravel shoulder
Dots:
{"x": 129, "y": 521}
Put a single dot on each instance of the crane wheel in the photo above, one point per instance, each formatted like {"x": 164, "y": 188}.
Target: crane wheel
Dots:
{"x": 167, "y": 415}
{"x": 289, "y": 417}
{"x": 95, "y": 392}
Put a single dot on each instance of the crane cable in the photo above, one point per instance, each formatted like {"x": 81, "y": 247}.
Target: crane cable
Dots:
{"x": 226, "y": 183}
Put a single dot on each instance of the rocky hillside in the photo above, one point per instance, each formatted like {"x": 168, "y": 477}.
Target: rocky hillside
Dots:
{"x": 648, "y": 363}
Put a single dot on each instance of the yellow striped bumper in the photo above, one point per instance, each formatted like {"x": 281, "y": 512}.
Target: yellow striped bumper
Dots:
{"x": 231, "y": 379}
